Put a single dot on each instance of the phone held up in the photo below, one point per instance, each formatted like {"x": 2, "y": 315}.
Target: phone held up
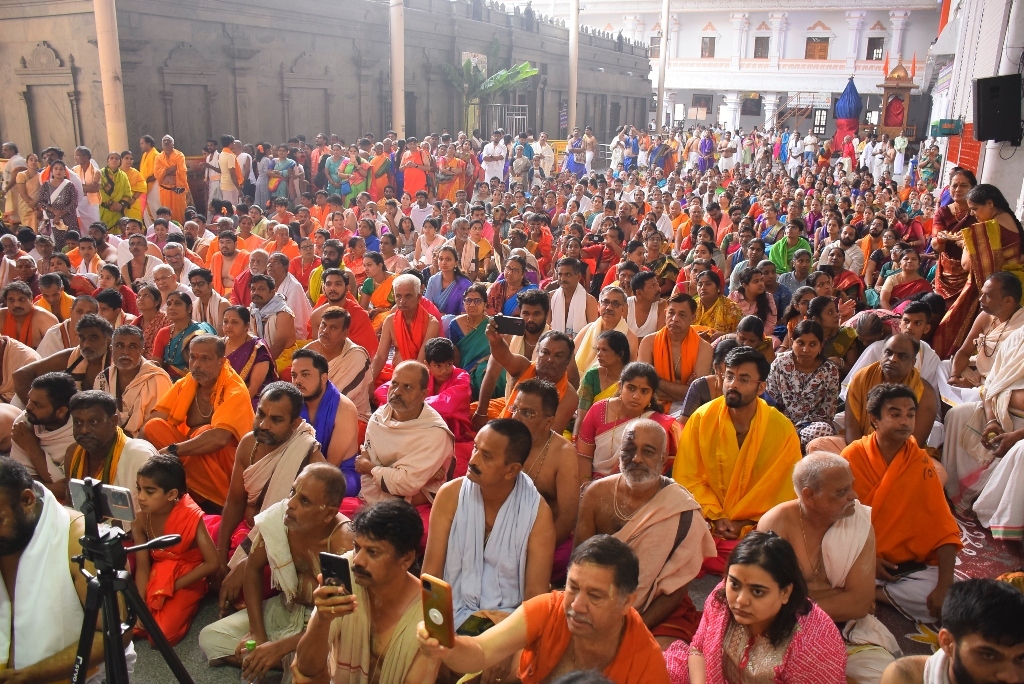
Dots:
{"x": 438, "y": 616}
{"x": 335, "y": 571}
{"x": 510, "y": 325}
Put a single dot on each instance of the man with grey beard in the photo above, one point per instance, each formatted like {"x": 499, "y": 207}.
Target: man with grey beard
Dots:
{"x": 660, "y": 521}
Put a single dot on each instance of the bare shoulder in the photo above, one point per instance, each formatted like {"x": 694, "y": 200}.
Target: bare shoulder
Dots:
{"x": 447, "y": 498}
{"x": 342, "y": 538}
{"x": 245, "y": 446}
{"x": 778, "y": 518}
{"x": 598, "y": 489}
{"x": 564, "y": 453}
{"x": 909, "y": 670}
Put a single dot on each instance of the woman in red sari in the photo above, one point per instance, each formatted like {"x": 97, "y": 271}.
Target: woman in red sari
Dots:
{"x": 901, "y": 286}
{"x": 950, "y": 276}
{"x": 989, "y": 245}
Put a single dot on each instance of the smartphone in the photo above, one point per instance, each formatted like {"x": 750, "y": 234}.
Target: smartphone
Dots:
{"x": 475, "y": 625}
{"x": 115, "y": 502}
{"x": 438, "y": 616}
{"x": 335, "y": 571}
{"x": 908, "y": 568}
{"x": 510, "y": 325}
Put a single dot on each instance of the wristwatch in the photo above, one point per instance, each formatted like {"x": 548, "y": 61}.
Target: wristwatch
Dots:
{"x": 172, "y": 449}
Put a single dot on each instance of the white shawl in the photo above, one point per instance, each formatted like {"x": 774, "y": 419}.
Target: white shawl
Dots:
{"x": 936, "y": 668}
{"x": 577, "y": 317}
{"x": 270, "y": 528}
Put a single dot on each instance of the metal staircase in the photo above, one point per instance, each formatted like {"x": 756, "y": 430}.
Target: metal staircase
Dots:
{"x": 784, "y": 112}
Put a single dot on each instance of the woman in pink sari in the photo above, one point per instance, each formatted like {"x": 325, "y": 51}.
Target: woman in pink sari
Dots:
{"x": 760, "y": 626}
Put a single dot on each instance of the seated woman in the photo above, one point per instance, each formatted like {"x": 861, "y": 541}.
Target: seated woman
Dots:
{"x": 602, "y": 381}
{"x": 906, "y": 283}
{"x": 702, "y": 390}
{"x": 468, "y": 333}
{"x": 795, "y": 312}
{"x": 881, "y": 256}
{"x": 447, "y": 287}
{"x": 753, "y": 299}
{"x": 839, "y": 341}
{"x": 170, "y": 345}
{"x": 376, "y": 294}
{"x": 502, "y": 296}
{"x": 824, "y": 286}
{"x": 717, "y": 315}
{"x": 750, "y": 333}
{"x": 805, "y": 384}
{"x": 353, "y": 258}
{"x": 597, "y": 443}
{"x": 247, "y": 354}
{"x": 110, "y": 278}
{"x": 760, "y": 626}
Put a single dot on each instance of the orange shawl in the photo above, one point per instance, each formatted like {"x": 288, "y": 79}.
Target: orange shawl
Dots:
{"x": 638, "y": 661}
{"x": 174, "y": 562}
{"x": 662, "y": 353}
{"x": 24, "y": 335}
{"x": 240, "y": 263}
{"x": 863, "y": 381}
{"x": 908, "y": 508}
{"x": 409, "y": 342}
{"x": 562, "y": 385}
{"x": 232, "y": 406}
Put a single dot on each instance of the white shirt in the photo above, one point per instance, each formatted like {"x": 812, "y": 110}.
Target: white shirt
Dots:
{"x": 547, "y": 156}
{"x": 417, "y": 215}
{"x": 494, "y": 169}
{"x": 585, "y": 203}
{"x": 665, "y": 226}
{"x": 213, "y": 159}
{"x": 246, "y": 158}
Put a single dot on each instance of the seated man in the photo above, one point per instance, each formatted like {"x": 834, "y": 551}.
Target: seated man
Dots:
{"x": 592, "y": 625}
{"x": 408, "y": 448}
{"x": 981, "y": 640}
{"x": 554, "y": 353}
{"x": 657, "y": 521}
{"x": 240, "y": 291}
{"x": 289, "y": 538}
{"x": 21, "y": 319}
{"x": 46, "y": 621}
{"x": 913, "y": 523}
{"x": 267, "y": 461}
{"x": 202, "y": 418}
{"x": 572, "y": 307}
{"x": 42, "y": 433}
{"x": 899, "y": 354}
{"x": 227, "y": 263}
{"x": 533, "y": 309}
{"x": 551, "y": 464}
{"x": 677, "y": 352}
{"x": 83, "y": 363}
{"x": 491, "y": 536}
{"x": 137, "y": 383}
{"x": 343, "y": 634}
{"x": 289, "y": 287}
{"x": 407, "y": 328}
{"x": 272, "y": 320}
{"x": 737, "y": 431}
{"x": 645, "y": 309}
{"x": 53, "y": 298}
{"x": 827, "y": 516}
{"x": 612, "y": 316}
{"x": 64, "y": 335}
{"x": 348, "y": 364}
{"x": 1001, "y": 315}
{"x": 101, "y": 448}
{"x": 332, "y": 414}
{"x": 110, "y": 303}
{"x": 209, "y": 306}
{"x": 335, "y": 292}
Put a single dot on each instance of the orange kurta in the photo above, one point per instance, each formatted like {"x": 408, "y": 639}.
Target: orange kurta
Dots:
{"x": 208, "y": 474}
{"x": 175, "y": 201}
{"x": 240, "y": 263}
{"x": 908, "y": 508}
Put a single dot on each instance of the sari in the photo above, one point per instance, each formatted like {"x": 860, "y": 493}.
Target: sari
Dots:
{"x": 992, "y": 248}
{"x": 253, "y": 351}
{"x": 722, "y": 316}
{"x": 605, "y": 436}
{"x": 278, "y": 187}
{"x": 380, "y": 176}
{"x": 950, "y": 276}
{"x": 840, "y": 344}
{"x": 358, "y": 181}
{"x": 448, "y": 300}
{"x": 901, "y": 293}
{"x": 114, "y": 187}
{"x": 474, "y": 350}
{"x": 449, "y": 178}
{"x": 590, "y": 390}
{"x": 499, "y": 300}
{"x": 382, "y": 298}
{"x": 174, "y": 359}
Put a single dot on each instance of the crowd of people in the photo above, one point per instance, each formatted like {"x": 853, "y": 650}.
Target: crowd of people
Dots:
{"x": 566, "y": 392}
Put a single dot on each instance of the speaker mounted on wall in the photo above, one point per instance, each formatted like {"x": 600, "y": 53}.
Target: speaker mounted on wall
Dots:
{"x": 997, "y": 109}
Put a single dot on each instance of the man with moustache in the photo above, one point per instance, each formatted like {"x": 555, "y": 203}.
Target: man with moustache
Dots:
{"x": 348, "y": 363}
{"x": 330, "y": 258}
{"x": 136, "y": 383}
{"x": 83, "y": 362}
{"x": 241, "y": 294}
{"x": 656, "y": 518}
{"x": 337, "y": 284}
{"x": 42, "y": 433}
{"x": 21, "y": 319}
{"x": 64, "y": 335}
{"x": 346, "y": 632}
{"x": 53, "y": 298}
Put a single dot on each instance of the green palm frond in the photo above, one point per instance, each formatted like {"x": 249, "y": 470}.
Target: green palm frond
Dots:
{"x": 507, "y": 79}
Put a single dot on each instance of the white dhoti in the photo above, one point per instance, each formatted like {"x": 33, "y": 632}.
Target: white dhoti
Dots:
{"x": 152, "y": 204}
{"x": 909, "y": 595}
{"x": 968, "y": 476}
{"x": 1000, "y": 504}
{"x": 589, "y": 163}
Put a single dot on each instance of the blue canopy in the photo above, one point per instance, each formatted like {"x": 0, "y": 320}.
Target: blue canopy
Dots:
{"x": 849, "y": 105}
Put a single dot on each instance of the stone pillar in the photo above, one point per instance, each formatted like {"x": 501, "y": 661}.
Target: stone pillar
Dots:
{"x": 662, "y": 64}
{"x": 670, "y": 106}
{"x": 574, "y": 62}
{"x": 731, "y": 111}
{"x": 110, "y": 75}
{"x": 770, "y": 101}
{"x": 740, "y": 25}
{"x": 777, "y": 20}
{"x": 397, "y": 26}
{"x": 899, "y": 20}
{"x": 673, "y": 35}
{"x": 855, "y": 20}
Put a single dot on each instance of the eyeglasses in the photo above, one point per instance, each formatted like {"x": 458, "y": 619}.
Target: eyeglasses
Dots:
{"x": 473, "y": 301}
{"x": 528, "y": 414}
{"x": 609, "y": 302}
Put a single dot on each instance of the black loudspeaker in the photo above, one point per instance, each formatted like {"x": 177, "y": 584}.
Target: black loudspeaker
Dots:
{"x": 997, "y": 108}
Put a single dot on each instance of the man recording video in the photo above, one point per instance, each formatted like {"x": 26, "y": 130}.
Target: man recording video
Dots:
{"x": 38, "y": 538}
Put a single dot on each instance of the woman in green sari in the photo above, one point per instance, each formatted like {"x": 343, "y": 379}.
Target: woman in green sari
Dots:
{"x": 356, "y": 171}
{"x": 467, "y": 332}
{"x": 171, "y": 343}
{"x": 115, "y": 193}
{"x": 602, "y": 381}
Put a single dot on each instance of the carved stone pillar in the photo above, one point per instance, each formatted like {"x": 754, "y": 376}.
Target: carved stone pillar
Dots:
{"x": 778, "y": 22}
{"x": 770, "y": 102}
{"x": 740, "y": 27}
{"x": 246, "y": 102}
{"x": 731, "y": 111}
{"x": 855, "y": 21}
{"x": 673, "y": 36}
{"x": 899, "y": 21}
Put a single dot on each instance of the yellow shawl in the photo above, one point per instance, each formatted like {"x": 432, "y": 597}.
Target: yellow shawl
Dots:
{"x": 107, "y": 472}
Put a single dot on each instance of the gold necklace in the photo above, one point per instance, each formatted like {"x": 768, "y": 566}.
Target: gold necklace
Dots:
{"x": 815, "y": 568}
{"x": 205, "y": 416}
{"x": 615, "y": 505}
{"x": 543, "y": 454}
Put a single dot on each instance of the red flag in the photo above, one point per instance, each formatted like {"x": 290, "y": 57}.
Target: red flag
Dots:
{"x": 885, "y": 66}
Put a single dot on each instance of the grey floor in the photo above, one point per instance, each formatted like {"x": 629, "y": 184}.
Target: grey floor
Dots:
{"x": 151, "y": 669}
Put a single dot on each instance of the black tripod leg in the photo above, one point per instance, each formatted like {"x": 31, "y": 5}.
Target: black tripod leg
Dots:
{"x": 113, "y": 637}
{"x": 138, "y": 606}
{"x": 93, "y": 599}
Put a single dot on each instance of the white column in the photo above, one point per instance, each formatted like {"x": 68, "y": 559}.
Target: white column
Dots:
{"x": 397, "y": 29}
{"x": 662, "y": 65}
{"x": 1003, "y": 167}
{"x": 731, "y": 117}
{"x": 629, "y": 26}
{"x": 740, "y": 25}
{"x": 899, "y": 20}
{"x": 855, "y": 20}
{"x": 110, "y": 75}
{"x": 574, "y": 60}
{"x": 778, "y": 23}
{"x": 673, "y": 35}
{"x": 670, "y": 106}
{"x": 770, "y": 101}
{"x": 638, "y": 28}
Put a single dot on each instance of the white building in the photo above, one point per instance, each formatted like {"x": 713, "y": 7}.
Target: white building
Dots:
{"x": 740, "y": 61}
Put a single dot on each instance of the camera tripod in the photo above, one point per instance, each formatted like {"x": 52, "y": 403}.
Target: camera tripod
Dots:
{"x": 105, "y": 550}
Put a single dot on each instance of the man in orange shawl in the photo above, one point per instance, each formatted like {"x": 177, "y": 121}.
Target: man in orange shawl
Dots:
{"x": 552, "y": 642}
{"x": 22, "y": 320}
{"x": 912, "y": 521}
{"x": 553, "y": 354}
{"x": 228, "y": 257}
{"x": 202, "y": 417}
{"x": 173, "y": 579}
{"x": 677, "y": 352}
{"x": 172, "y": 177}
{"x": 408, "y": 327}
{"x": 736, "y": 455}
